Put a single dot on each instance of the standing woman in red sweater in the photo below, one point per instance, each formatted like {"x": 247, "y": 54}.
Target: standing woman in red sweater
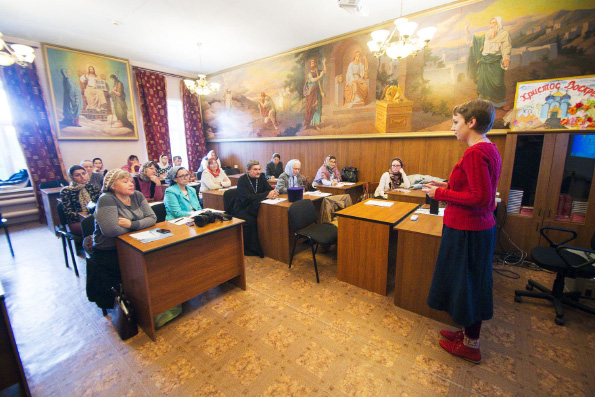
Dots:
{"x": 462, "y": 283}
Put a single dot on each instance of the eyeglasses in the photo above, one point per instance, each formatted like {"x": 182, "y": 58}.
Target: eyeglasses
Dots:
{"x": 396, "y": 165}
{"x": 185, "y": 176}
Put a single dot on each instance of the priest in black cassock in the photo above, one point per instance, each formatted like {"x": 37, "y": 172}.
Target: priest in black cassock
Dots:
{"x": 252, "y": 189}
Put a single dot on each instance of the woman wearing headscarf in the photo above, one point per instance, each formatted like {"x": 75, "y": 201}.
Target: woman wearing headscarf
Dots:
{"x": 274, "y": 167}
{"x": 147, "y": 182}
{"x": 291, "y": 177}
{"x": 328, "y": 174}
{"x": 76, "y": 196}
{"x": 119, "y": 210}
{"x": 213, "y": 177}
{"x": 72, "y": 105}
{"x": 163, "y": 165}
{"x": 204, "y": 164}
{"x": 179, "y": 200}
{"x": 395, "y": 177}
{"x": 132, "y": 164}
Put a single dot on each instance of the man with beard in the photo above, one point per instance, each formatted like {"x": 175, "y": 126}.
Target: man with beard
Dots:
{"x": 489, "y": 57}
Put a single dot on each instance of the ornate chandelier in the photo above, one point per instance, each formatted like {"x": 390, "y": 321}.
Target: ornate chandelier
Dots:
{"x": 405, "y": 45}
{"x": 201, "y": 86}
{"x": 20, "y": 54}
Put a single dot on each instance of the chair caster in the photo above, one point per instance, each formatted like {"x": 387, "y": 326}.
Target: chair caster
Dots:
{"x": 560, "y": 321}
{"x": 518, "y": 299}
{"x": 529, "y": 287}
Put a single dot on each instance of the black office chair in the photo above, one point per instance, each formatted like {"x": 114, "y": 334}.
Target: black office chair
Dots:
{"x": 4, "y": 225}
{"x": 557, "y": 258}
{"x": 159, "y": 210}
{"x": 302, "y": 215}
{"x": 51, "y": 184}
{"x": 67, "y": 236}
{"x": 88, "y": 227}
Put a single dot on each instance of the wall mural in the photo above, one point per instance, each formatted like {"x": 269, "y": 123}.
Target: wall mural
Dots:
{"x": 481, "y": 49}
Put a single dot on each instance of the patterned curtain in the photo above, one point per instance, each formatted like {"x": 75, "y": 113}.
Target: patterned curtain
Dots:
{"x": 195, "y": 137}
{"x": 153, "y": 105}
{"x": 30, "y": 120}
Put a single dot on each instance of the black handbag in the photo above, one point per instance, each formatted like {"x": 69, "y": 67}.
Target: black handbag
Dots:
{"x": 123, "y": 316}
{"x": 349, "y": 174}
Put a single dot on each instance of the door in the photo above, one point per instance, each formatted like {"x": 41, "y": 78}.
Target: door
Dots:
{"x": 571, "y": 195}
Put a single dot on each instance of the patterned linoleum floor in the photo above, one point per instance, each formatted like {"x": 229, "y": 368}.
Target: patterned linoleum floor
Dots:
{"x": 285, "y": 335}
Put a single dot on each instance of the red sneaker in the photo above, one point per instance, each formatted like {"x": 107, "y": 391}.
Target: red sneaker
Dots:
{"x": 452, "y": 335}
{"x": 457, "y": 348}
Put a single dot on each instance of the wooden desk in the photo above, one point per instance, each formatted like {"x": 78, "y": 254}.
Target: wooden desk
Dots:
{"x": 213, "y": 199}
{"x": 417, "y": 250}
{"x": 366, "y": 242}
{"x": 273, "y": 228}
{"x": 11, "y": 367}
{"x": 355, "y": 191}
{"x": 162, "y": 274}
{"x": 414, "y": 196}
{"x": 50, "y": 198}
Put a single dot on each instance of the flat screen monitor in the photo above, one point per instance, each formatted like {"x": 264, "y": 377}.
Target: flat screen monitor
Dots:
{"x": 583, "y": 146}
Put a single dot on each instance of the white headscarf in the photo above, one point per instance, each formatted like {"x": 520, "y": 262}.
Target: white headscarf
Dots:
{"x": 293, "y": 181}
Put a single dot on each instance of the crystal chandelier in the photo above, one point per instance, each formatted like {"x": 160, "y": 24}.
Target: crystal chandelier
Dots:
{"x": 405, "y": 45}
{"x": 15, "y": 53}
{"x": 201, "y": 86}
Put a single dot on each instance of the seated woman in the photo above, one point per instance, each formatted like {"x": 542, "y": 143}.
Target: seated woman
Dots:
{"x": 204, "y": 164}
{"x": 274, "y": 168}
{"x": 252, "y": 189}
{"x": 98, "y": 166}
{"x": 163, "y": 165}
{"x": 180, "y": 200}
{"x": 148, "y": 183}
{"x": 395, "y": 177}
{"x": 119, "y": 210}
{"x": 328, "y": 174}
{"x": 95, "y": 178}
{"x": 213, "y": 177}
{"x": 132, "y": 165}
{"x": 291, "y": 177}
{"x": 76, "y": 196}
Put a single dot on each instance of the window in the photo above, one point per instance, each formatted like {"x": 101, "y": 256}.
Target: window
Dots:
{"x": 177, "y": 134}
{"x": 11, "y": 155}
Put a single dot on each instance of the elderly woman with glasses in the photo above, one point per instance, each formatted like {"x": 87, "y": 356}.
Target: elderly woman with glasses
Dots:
{"x": 395, "y": 177}
{"x": 179, "y": 200}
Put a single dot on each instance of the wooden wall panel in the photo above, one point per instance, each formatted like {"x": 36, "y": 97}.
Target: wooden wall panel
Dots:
{"x": 432, "y": 156}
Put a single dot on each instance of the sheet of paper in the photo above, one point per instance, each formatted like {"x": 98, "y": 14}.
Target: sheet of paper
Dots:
{"x": 273, "y": 201}
{"x": 143, "y": 235}
{"x": 180, "y": 221}
{"x": 380, "y": 203}
{"x": 345, "y": 184}
{"x": 427, "y": 211}
{"x": 318, "y": 193}
{"x": 155, "y": 203}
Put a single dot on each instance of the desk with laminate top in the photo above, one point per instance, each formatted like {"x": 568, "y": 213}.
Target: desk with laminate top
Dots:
{"x": 417, "y": 251}
{"x": 273, "y": 228}
{"x": 355, "y": 191}
{"x": 417, "y": 196}
{"x": 50, "y": 198}
{"x": 159, "y": 275}
{"x": 213, "y": 199}
{"x": 366, "y": 242}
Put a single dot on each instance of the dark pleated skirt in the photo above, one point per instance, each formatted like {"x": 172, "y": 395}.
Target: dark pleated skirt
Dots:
{"x": 462, "y": 284}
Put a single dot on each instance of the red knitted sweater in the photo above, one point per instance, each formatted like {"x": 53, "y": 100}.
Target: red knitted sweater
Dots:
{"x": 471, "y": 191}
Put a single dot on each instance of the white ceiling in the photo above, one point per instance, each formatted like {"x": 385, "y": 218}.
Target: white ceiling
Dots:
{"x": 165, "y": 32}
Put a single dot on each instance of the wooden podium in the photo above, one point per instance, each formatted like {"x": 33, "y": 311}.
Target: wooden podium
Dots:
{"x": 393, "y": 117}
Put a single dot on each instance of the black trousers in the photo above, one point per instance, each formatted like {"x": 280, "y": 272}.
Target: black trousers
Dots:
{"x": 251, "y": 241}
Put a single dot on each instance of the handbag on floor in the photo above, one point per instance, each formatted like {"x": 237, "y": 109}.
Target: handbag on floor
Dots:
{"x": 123, "y": 316}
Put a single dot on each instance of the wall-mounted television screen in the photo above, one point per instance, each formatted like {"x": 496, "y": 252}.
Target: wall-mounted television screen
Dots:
{"x": 583, "y": 146}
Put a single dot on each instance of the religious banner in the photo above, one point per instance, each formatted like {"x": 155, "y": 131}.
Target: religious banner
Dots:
{"x": 556, "y": 104}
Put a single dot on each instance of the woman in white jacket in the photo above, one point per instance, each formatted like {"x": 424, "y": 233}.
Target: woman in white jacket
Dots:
{"x": 394, "y": 178}
{"x": 213, "y": 177}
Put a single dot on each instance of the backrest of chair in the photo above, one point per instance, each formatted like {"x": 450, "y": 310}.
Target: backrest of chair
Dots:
{"x": 61, "y": 214}
{"x": 301, "y": 214}
{"x": 229, "y": 198}
{"x": 88, "y": 226}
{"x": 51, "y": 184}
{"x": 159, "y": 210}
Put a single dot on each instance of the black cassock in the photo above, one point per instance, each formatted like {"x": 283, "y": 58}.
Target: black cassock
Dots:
{"x": 251, "y": 191}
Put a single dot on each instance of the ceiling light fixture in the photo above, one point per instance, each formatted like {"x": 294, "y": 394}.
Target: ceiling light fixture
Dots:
{"x": 201, "y": 86}
{"x": 20, "y": 54}
{"x": 405, "y": 45}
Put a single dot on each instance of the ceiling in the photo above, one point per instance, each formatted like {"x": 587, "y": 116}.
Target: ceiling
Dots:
{"x": 165, "y": 33}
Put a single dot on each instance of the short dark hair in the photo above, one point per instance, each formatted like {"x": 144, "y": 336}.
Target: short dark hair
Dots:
{"x": 73, "y": 168}
{"x": 163, "y": 155}
{"x": 113, "y": 76}
{"x": 277, "y": 155}
{"x": 177, "y": 157}
{"x": 479, "y": 109}
{"x": 97, "y": 158}
{"x": 132, "y": 157}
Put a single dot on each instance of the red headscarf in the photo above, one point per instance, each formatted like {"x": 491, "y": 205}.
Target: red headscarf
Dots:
{"x": 215, "y": 173}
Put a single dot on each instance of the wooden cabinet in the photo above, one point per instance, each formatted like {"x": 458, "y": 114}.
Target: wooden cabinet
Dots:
{"x": 547, "y": 181}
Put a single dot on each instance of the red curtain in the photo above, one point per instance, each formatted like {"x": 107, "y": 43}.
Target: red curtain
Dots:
{"x": 196, "y": 146}
{"x": 152, "y": 95}
{"x": 30, "y": 120}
